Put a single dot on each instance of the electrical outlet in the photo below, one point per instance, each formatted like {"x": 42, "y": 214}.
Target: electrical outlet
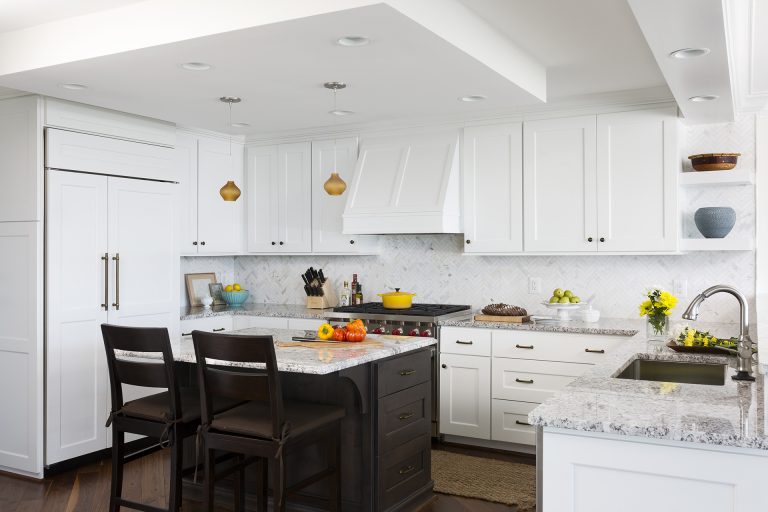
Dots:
{"x": 534, "y": 285}
{"x": 680, "y": 287}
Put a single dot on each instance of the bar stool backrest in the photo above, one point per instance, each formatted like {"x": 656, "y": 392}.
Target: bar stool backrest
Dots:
{"x": 234, "y": 383}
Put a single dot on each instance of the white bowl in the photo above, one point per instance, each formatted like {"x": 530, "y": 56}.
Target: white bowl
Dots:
{"x": 590, "y": 315}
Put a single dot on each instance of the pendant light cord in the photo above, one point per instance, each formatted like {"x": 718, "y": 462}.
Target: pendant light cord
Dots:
{"x": 230, "y": 129}
{"x": 335, "y": 163}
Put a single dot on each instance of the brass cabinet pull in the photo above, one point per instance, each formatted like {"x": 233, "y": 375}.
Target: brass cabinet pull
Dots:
{"x": 407, "y": 372}
{"x": 219, "y": 329}
{"x": 407, "y": 469}
{"x": 522, "y": 422}
{"x": 527, "y": 347}
{"x": 105, "y": 259}
{"x": 524, "y": 381}
{"x": 186, "y": 334}
{"x": 116, "y": 259}
{"x": 405, "y": 416}
{"x": 464, "y": 342}
{"x": 593, "y": 351}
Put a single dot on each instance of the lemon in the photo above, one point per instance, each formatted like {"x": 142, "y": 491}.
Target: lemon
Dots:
{"x": 228, "y": 288}
{"x": 236, "y": 287}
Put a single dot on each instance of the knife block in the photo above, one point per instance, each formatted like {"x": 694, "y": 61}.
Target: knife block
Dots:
{"x": 328, "y": 300}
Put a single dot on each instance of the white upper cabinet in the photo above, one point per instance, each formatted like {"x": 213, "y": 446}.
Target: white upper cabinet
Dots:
{"x": 219, "y": 222}
{"x": 493, "y": 182}
{"x": 280, "y": 198}
{"x": 327, "y": 227}
{"x": 209, "y": 225}
{"x": 406, "y": 184}
{"x": 637, "y": 170}
{"x": 21, "y": 157}
{"x": 559, "y": 180}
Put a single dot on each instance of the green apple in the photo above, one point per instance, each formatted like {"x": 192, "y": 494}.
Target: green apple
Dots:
{"x": 554, "y": 300}
{"x": 564, "y": 300}
{"x": 575, "y": 300}
{"x": 558, "y": 292}
{"x": 568, "y": 293}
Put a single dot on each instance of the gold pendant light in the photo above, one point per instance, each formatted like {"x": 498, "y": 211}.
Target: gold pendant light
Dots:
{"x": 230, "y": 191}
{"x": 334, "y": 186}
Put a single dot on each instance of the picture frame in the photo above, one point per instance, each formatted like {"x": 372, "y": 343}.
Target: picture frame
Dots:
{"x": 198, "y": 286}
{"x": 216, "y": 289}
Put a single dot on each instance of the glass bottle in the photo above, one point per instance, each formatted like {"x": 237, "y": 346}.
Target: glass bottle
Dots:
{"x": 353, "y": 292}
{"x": 359, "y": 294}
{"x": 344, "y": 295}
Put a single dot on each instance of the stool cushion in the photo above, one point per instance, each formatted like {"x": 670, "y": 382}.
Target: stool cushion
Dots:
{"x": 254, "y": 418}
{"x": 158, "y": 407}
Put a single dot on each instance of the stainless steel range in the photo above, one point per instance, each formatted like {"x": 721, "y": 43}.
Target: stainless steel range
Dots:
{"x": 418, "y": 320}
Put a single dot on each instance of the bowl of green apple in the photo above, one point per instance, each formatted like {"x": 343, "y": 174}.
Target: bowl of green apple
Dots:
{"x": 563, "y": 301}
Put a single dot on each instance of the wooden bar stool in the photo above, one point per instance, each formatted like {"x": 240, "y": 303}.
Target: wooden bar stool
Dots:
{"x": 264, "y": 427}
{"x": 169, "y": 416}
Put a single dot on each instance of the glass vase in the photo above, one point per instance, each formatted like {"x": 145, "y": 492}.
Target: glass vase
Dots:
{"x": 657, "y": 327}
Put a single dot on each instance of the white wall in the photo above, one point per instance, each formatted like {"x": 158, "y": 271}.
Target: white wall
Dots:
{"x": 434, "y": 267}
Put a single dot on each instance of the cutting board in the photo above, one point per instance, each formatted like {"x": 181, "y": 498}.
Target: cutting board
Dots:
{"x": 330, "y": 344}
{"x": 499, "y": 318}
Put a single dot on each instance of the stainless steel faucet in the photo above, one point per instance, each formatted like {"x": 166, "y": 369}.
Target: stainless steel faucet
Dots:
{"x": 744, "y": 350}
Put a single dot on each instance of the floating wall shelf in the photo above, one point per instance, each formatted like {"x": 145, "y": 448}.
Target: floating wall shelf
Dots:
{"x": 702, "y": 179}
{"x": 716, "y": 244}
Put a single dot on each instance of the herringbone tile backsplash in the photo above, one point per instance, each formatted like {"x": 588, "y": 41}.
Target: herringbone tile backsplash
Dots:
{"x": 435, "y": 268}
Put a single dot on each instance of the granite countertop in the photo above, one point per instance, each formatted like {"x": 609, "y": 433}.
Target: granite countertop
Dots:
{"x": 317, "y": 361}
{"x": 275, "y": 310}
{"x": 729, "y": 415}
{"x": 606, "y": 326}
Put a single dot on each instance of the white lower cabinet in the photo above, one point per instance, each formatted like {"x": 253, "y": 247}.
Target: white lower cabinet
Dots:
{"x": 237, "y": 322}
{"x": 465, "y": 395}
{"x": 305, "y": 324}
{"x": 264, "y": 322}
{"x": 492, "y": 378}
{"x": 605, "y": 473}
{"x": 209, "y": 324}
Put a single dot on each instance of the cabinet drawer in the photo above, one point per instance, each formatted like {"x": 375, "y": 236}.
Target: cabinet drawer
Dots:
{"x": 263, "y": 322}
{"x": 404, "y": 372}
{"x": 404, "y": 416}
{"x": 528, "y": 382}
{"x": 509, "y": 422}
{"x": 459, "y": 340}
{"x": 403, "y": 471}
{"x": 573, "y": 348}
{"x": 210, "y": 324}
{"x": 305, "y": 324}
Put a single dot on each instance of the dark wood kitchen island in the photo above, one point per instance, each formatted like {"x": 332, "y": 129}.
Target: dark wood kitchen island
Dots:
{"x": 385, "y": 390}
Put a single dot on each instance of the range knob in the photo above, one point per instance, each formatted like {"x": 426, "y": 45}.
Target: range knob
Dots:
{"x": 426, "y": 333}
{"x": 414, "y": 332}
{"x": 397, "y": 331}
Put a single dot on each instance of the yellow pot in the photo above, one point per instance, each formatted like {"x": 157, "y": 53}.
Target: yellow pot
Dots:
{"x": 397, "y": 299}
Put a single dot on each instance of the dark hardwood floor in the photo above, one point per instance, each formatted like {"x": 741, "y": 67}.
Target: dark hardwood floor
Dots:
{"x": 86, "y": 489}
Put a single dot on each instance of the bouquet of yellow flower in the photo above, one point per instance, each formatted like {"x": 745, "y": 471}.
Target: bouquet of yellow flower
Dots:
{"x": 657, "y": 308}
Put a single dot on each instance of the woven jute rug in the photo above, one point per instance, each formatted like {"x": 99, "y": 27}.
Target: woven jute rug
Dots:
{"x": 486, "y": 479}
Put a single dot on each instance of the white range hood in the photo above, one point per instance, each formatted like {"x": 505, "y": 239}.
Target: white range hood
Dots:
{"x": 405, "y": 184}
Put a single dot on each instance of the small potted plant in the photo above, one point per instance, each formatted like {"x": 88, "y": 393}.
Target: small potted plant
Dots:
{"x": 656, "y": 309}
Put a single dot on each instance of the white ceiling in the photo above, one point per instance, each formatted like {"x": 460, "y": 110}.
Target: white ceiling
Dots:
{"x": 18, "y": 14}
{"x": 589, "y": 46}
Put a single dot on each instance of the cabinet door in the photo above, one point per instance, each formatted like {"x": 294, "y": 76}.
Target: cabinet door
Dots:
{"x": 219, "y": 222}
{"x": 327, "y": 211}
{"x": 186, "y": 162}
{"x": 76, "y": 306}
{"x": 21, "y": 156}
{"x": 262, "y": 199}
{"x": 493, "y": 188}
{"x": 637, "y": 170}
{"x": 294, "y": 192}
{"x": 21, "y": 347}
{"x": 465, "y": 396}
{"x": 560, "y": 213}
{"x": 261, "y": 322}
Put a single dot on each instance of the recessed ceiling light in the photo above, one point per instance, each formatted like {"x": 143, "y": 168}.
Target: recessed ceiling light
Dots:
{"x": 241, "y": 125}
{"x": 353, "y": 41}
{"x": 196, "y": 66}
{"x": 339, "y": 112}
{"x": 473, "y": 97}
{"x": 689, "y": 53}
{"x": 700, "y": 99}
{"x": 73, "y": 87}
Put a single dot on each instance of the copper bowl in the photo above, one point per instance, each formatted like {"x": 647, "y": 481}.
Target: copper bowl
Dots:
{"x": 714, "y": 161}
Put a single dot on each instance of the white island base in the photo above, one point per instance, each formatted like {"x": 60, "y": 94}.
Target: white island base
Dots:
{"x": 597, "y": 472}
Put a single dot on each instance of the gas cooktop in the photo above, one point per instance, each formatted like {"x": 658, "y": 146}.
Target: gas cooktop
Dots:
{"x": 377, "y": 308}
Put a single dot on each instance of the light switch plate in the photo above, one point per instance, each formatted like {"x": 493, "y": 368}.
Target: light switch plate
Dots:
{"x": 534, "y": 285}
{"x": 680, "y": 288}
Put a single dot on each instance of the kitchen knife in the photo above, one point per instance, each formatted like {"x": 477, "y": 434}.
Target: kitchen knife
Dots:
{"x": 307, "y": 289}
{"x": 304, "y": 277}
{"x": 322, "y": 277}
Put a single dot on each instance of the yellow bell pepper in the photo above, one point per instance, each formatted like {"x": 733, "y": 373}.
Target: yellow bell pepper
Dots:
{"x": 325, "y": 332}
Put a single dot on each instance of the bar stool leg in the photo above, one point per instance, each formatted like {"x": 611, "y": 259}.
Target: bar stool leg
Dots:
{"x": 177, "y": 450}
{"x": 240, "y": 485}
{"x": 210, "y": 471}
{"x": 118, "y": 452}
{"x": 262, "y": 485}
{"x": 278, "y": 485}
{"x": 335, "y": 460}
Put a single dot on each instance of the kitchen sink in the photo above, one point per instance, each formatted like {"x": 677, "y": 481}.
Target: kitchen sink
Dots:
{"x": 675, "y": 371}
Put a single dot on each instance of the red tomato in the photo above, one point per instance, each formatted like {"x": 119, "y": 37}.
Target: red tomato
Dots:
{"x": 339, "y": 334}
